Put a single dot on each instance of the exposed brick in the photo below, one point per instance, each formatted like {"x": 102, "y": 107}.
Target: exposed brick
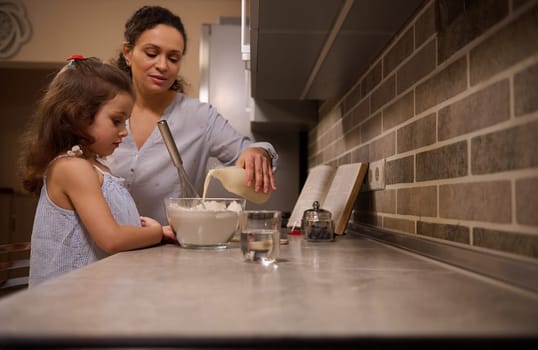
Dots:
{"x": 471, "y": 22}
{"x": 327, "y": 154}
{"x": 339, "y": 161}
{"x": 317, "y": 159}
{"x": 361, "y": 154}
{"x": 443, "y": 163}
{"x": 508, "y": 149}
{"x": 347, "y": 122}
{"x": 336, "y": 131}
{"x": 420, "y": 201}
{"x": 318, "y": 133}
{"x": 371, "y": 128}
{"x": 425, "y": 26}
{"x": 527, "y": 201}
{"x": 454, "y": 233}
{"x": 481, "y": 201}
{"x": 510, "y": 45}
{"x": 368, "y": 219}
{"x": 324, "y": 124}
{"x": 364, "y": 184}
{"x": 400, "y": 171}
{"x": 422, "y": 63}
{"x": 360, "y": 112}
{"x": 339, "y": 146}
{"x": 384, "y": 201}
{"x": 323, "y": 141}
{"x": 443, "y": 85}
{"x": 318, "y": 138}
{"x": 332, "y": 163}
{"x": 448, "y": 11}
{"x": 313, "y": 134}
{"x": 383, "y": 94}
{"x": 352, "y": 138}
{"x": 344, "y": 159}
{"x": 330, "y": 151}
{"x": 327, "y": 120}
{"x": 399, "y": 111}
{"x": 363, "y": 202}
{"x": 371, "y": 79}
{"x": 352, "y": 99}
{"x": 311, "y": 153}
{"x": 312, "y": 144}
{"x": 383, "y": 147}
{"x": 327, "y": 106}
{"x": 399, "y": 224}
{"x": 510, "y": 242}
{"x": 486, "y": 107}
{"x": 519, "y": 3}
{"x": 399, "y": 52}
{"x": 417, "y": 134}
{"x": 526, "y": 91}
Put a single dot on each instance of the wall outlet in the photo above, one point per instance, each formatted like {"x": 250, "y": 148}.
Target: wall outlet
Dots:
{"x": 376, "y": 175}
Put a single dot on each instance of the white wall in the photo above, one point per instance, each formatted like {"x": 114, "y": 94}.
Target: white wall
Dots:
{"x": 61, "y": 28}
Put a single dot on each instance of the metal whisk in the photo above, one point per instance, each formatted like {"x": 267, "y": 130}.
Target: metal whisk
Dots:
{"x": 188, "y": 190}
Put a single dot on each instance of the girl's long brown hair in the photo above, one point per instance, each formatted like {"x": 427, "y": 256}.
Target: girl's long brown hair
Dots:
{"x": 64, "y": 114}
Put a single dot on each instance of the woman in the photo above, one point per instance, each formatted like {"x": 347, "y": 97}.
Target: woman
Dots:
{"x": 155, "y": 43}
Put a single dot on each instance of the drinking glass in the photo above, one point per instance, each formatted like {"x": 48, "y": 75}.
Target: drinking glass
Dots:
{"x": 260, "y": 235}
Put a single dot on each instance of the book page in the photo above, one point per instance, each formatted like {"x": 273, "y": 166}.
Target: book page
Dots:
{"x": 343, "y": 192}
{"x": 314, "y": 189}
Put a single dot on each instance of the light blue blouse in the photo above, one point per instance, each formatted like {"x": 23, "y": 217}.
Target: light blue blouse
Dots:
{"x": 200, "y": 132}
{"x": 61, "y": 243}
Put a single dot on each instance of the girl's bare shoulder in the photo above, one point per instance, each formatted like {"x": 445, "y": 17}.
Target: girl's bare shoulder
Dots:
{"x": 68, "y": 163}
{"x": 69, "y": 178}
{"x": 66, "y": 168}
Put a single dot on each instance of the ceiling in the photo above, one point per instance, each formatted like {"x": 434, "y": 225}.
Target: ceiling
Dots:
{"x": 317, "y": 49}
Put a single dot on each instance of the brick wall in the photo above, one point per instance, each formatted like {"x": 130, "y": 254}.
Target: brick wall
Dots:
{"x": 452, "y": 106}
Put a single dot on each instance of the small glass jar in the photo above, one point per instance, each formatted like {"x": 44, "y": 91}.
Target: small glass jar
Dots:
{"x": 317, "y": 224}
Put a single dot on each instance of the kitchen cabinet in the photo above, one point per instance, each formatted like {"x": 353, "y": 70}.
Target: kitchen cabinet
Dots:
{"x": 306, "y": 49}
{"x": 354, "y": 291}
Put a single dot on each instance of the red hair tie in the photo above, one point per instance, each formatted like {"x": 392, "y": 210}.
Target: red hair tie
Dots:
{"x": 74, "y": 58}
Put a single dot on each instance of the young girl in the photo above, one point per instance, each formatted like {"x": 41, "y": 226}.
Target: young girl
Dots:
{"x": 84, "y": 213}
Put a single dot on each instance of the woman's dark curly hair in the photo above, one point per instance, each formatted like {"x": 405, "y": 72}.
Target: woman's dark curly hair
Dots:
{"x": 67, "y": 109}
{"x": 145, "y": 18}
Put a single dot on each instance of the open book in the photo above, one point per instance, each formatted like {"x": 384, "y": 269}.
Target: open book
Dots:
{"x": 335, "y": 188}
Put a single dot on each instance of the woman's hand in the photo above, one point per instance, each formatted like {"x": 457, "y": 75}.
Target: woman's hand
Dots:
{"x": 257, "y": 164}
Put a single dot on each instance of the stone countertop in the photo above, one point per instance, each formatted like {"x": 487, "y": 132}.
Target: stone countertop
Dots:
{"x": 349, "y": 290}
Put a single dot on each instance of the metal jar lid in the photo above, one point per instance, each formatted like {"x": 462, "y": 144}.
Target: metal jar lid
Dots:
{"x": 316, "y": 214}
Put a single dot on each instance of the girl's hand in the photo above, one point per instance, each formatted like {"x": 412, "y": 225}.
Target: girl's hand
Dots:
{"x": 149, "y": 222}
{"x": 257, "y": 164}
{"x": 168, "y": 235}
{"x": 167, "y": 231}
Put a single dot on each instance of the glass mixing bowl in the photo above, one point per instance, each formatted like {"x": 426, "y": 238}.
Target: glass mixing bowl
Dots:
{"x": 209, "y": 223}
